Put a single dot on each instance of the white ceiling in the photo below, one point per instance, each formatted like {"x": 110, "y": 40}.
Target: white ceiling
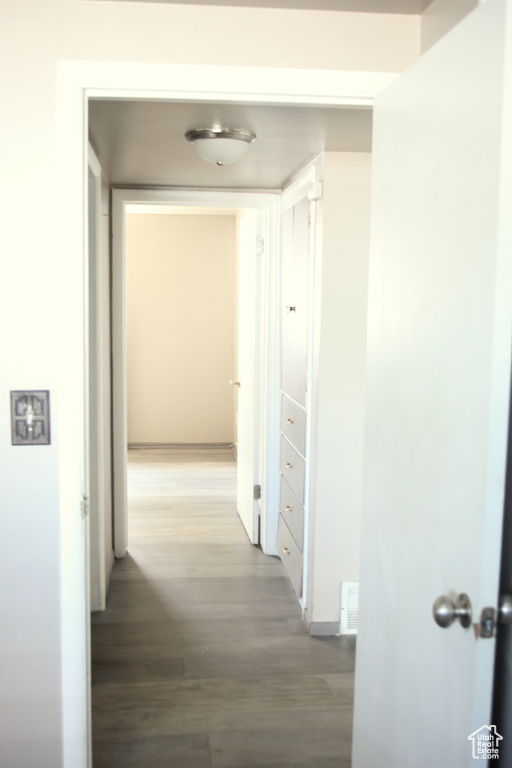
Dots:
{"x": 362, "y": 6}
{"x": 143, "y": 143}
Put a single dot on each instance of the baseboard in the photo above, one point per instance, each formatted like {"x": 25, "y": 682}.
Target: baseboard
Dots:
{"x": 321, "y": 628}
{"x": 144, "y": 446}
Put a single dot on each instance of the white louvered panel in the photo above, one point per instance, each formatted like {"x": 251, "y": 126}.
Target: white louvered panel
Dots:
{"x": 349, "y": 607}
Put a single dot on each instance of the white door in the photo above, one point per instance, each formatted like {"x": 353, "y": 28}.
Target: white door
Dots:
{"x": 295, "y": 288}
{"x": 437, "y": 399}
{"x": 248, "y": 371}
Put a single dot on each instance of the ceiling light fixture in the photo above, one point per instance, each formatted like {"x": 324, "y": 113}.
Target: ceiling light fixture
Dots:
{"x": 220, "y": 145}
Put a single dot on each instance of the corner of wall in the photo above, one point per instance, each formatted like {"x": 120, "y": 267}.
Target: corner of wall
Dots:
{"x": 440, "y": 17}
{"x": 321, "y": 628}
{"x": 339, "y": 383}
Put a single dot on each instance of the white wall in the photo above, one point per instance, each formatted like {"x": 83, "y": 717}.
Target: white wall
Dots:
{"x": 440, "y": 17}
{"x": 340, "y": 371}
{"x": 41, "y": 696}
{"x": 180, "y": 317}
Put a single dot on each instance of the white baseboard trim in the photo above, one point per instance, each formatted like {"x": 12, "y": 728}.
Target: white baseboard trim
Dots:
{"x": 144, "y": 446}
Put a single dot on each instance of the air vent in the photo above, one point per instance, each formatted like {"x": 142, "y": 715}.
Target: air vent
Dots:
{"x": 349, "y": 607}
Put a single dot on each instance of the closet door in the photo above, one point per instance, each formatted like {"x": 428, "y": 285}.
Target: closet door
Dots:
{"x": 294, "y": 347}
{"x": 295, "y": 300}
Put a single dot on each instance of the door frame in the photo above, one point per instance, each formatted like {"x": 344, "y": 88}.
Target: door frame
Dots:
{"x": 97, "y": 398}
{"x": 76, "y": 82}
{"x": 265, "y": 385}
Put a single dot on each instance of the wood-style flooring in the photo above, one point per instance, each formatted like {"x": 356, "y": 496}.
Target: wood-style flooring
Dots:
{"x": 201, "y": 659}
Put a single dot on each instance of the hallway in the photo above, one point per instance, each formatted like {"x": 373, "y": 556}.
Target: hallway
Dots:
{"x": 201, "y": 659}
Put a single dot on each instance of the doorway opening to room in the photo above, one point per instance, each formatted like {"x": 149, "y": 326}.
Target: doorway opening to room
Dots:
{"x": 308, "y": 126}
{"x": 292, "y": 138}
{"x": 181, "y": 330}
{"x": 211, "y": 387}
{"x": 192, "y": 606}
{"x": 182, "y": 268}
{"x": 181, "y": 327}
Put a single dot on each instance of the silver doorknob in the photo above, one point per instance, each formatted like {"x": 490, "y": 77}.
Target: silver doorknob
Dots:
{"x": 234, "y": 383}
{"x": 446, "y": 611}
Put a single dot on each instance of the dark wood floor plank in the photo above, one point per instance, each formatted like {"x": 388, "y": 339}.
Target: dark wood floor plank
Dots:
{"x": 183, "y": 592}
{"x": 137, "y": 669}
{"x": 251, "y": 748}
{"x": 201, "y": 659}
{"x": 260, "y": 721}
{"x": 155, "y": 752}
{"x": 189, "y": 706}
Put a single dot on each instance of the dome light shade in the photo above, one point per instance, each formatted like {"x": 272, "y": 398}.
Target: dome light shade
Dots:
{"x": 220, "y": 145}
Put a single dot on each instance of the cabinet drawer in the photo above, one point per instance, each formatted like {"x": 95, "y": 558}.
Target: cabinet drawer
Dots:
{"x": 293, "y": 469}
{"x": 293, "y": 424}
{"x": 292, "y": 512}
{"x": 291, "y": 556}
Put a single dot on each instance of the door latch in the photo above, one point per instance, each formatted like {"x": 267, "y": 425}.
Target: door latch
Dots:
{"x": 487, "y": 622}
{"x": 489, "y": 617}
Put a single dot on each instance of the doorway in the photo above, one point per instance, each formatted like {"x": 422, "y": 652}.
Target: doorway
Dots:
{"x": 248, "y": 343}
{"x": 113, "y": 80}
{"x": 181, "y": 326}
{"x": 257, "y": 395}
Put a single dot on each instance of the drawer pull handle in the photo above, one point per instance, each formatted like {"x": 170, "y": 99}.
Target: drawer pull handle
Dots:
{"x": 288, "y": 508}
{"x": 289, "y": 421}
{"x": 290, "y": 308}
{"x": 288, "y": 465}
{"x": 286, "y": 551}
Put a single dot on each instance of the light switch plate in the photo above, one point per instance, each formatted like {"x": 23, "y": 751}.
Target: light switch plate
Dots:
{"x": 30, "y": 417}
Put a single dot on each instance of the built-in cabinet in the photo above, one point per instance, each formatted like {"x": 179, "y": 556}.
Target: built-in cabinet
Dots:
{"x": 294, "y": 359}
{"x": 324, "y": 285}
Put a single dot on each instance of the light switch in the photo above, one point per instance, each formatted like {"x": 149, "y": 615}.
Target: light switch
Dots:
{"x": 30, "y": 417}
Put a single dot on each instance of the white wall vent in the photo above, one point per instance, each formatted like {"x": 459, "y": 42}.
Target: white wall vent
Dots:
{"x": 349, "y": 607}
